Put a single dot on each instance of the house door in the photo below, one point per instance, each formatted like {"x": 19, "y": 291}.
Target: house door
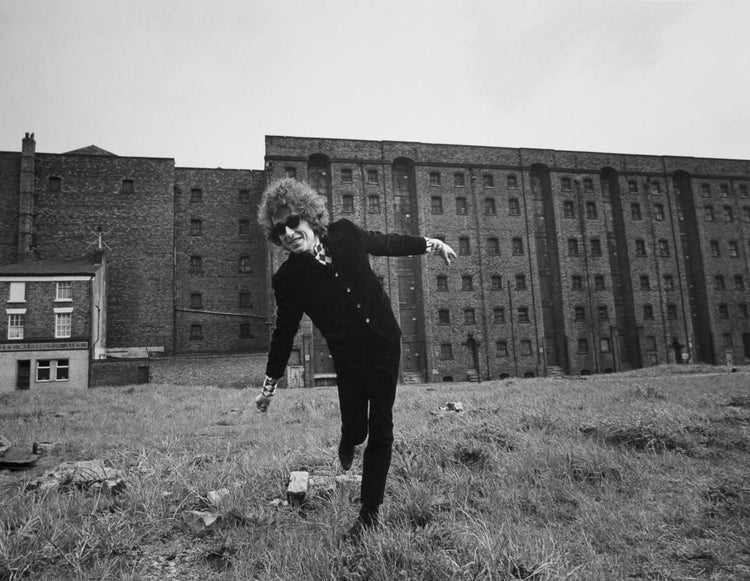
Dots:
{"x": 23, "y": 377}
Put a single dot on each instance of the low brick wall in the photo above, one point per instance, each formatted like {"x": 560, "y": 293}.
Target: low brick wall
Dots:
{"x": 120, "y": 372}
{"x": 237, "y": 371}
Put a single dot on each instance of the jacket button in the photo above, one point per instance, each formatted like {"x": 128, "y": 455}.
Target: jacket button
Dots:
{"x": 348, "y": 289}
{"x": 336, "y": 274}
{"x": 367, "y": 320}
{"x": 359, "y": 305}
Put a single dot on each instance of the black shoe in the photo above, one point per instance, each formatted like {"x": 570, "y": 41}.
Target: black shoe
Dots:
{"x": 346, "y": 455}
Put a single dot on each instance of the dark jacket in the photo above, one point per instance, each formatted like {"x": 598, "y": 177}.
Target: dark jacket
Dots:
{"x": 340, "y": 300}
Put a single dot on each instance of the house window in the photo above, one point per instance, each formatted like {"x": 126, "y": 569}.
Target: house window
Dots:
{"x": 511, "y": 182}
{"x": 569, "y": 209}
{"x": 742, "y": 309}
{"x": 196, "y": 195}
{"x": 244, "y": 227}
{"x": 708, "y": 213}
{"x": 459, "y": 180}
{"x": 347, "y": 203}
{"x": 576, "y": 282}
{"x": 739, "y": 282}
{"x": 196, "y": 301}
{"x": 517, "y": 245}
{"x": 467, "y": 283}
{"x": 372, "y": 176}
{"x": 470, "y": 317}
{"x": 43, "y": 369}
{"x": 715, "y": 248}
{"x": 446, "y": 351}
{"x": 565, "y": 184}
{"x": 501, "y": 348}
{"x": 580, "y": 313}
{"x": 719, "y": 282}
{"x": 743, "y": 190}
{"x": 705, "y": 190}
{"x": 498, "y": 315}
{"x": 663, "y": 247}
{"x": 464, "y": 249}
{"x": 726, "y": 339}
{"x": 444, "y": 317}
{"x": 434, "y": 178}
{"x": 373, "y": 204}
{"x": 291, "y": 172}
{"x": 572, "y": 246}
{"x": 64, "y": 291}
{"x": 640, "y": 247}
{"x": 668, "y": 282}
{"x": 246, "y": 300}
{"x": 244, "y": 264}
{"x": 54, "y": 184}
{"x": 599, "y": 282}
{"x": 596, "y": 247}
{"x": 746, "y": 213}
{"x": 488, "y": 180}
{"x": 437, "y": 205}
{"x": 645, "y": 282}
{"x": 604, "y": 345}
{"x": 514, "y": 207}
{"x": 196, "y": 227}
{"x": 520, "y": 282}
{"x": 493, "y": 247}
{"x": 635, "y": 211}
{"x": 723, "y": 190}
{"x": 591, "y": 212}
{"x": 489, "y": 207}
{"x": 196, "y": 332}
{"x": 583, "y": 345}
{"x": 244, "y": 196}
{"x": 496, "y": 282}
{"x": 63, "y": 325}
{"x": 525, "y": 347}
{"x": 633, "y": 186}
{"x": 127, "y": 187}
{"x": 196, "y": 265}
{"x": 62, "y": 369}
{"x": 659, "y": 212}
{"x": 245, "y": 331}
{"x": 603, "y": 312}
{"x": 723, "y": 311}
{"x": 728, "y": 214}
{"x": 648, "y": 312}
{"x": 461, "y": 207}
{"x": 523, "y": 314}
{"x": 650, "y": 343}
{"x": 15, "y": 325}
{"x": 17, "y": 292}
{"x": 656, "y": 187}
{"x": 588, "y": 185}
{"x": 346, "y": 176}
{"x": 442, "y": 282}
{"x": 671, "y": 311}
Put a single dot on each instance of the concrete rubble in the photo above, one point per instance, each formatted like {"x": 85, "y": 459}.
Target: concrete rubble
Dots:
{"x": 87, "y": 475}
{"x": 449, "y": 408}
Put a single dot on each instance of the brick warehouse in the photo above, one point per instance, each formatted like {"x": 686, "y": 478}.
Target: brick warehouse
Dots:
{"x": 570, "y": 262}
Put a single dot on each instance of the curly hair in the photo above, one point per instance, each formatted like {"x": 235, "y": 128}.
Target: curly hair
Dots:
{"x": 301, "y": 200}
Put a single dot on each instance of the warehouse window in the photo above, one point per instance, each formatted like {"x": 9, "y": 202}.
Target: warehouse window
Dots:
{"x": 127, "y": 187}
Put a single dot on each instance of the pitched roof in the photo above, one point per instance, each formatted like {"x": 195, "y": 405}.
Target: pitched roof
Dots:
{"x": 90, "y": 150}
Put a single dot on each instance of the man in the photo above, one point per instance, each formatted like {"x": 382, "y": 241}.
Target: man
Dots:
{"x": 327, "y": 276}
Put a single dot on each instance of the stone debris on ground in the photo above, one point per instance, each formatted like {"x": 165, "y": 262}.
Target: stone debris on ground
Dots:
{"x": 87, "y": 475}
{"x": 14, "y": 459}
{"x": 449, "y": 408}
{"x": 49, "y": 448}
{"x": 303, "y": 486}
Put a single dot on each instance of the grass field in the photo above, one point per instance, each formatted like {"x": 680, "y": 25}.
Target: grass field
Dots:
{"x": 640, "y": 475}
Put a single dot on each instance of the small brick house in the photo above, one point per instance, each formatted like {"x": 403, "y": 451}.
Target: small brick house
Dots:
{"x": 54, "y": 323}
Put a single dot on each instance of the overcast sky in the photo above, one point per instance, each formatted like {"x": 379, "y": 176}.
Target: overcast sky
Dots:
{"x": 204, "y": 81}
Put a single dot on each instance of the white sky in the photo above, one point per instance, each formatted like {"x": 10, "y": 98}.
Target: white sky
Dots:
{"x": 203, "y": 81}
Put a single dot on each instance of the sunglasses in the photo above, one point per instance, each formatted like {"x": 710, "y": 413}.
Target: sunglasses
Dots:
{"x": 279, "y": 229}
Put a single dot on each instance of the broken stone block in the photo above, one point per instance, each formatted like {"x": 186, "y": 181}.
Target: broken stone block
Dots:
{"x": 200, "y": 521}
{"x": 48, "y": 448}
{"x": 81, "y": 474}
{"x": 453, "y": 406}
{"x": 216, "y": 497}
{"x": 14, "y": 459}
{"x": 299, "y": 483}
{"x": 349, "y": 480}
{"x": 114, "y": 486}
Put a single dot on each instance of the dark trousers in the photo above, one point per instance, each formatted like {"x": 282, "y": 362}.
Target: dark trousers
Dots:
{"x": 367, "y": 374}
